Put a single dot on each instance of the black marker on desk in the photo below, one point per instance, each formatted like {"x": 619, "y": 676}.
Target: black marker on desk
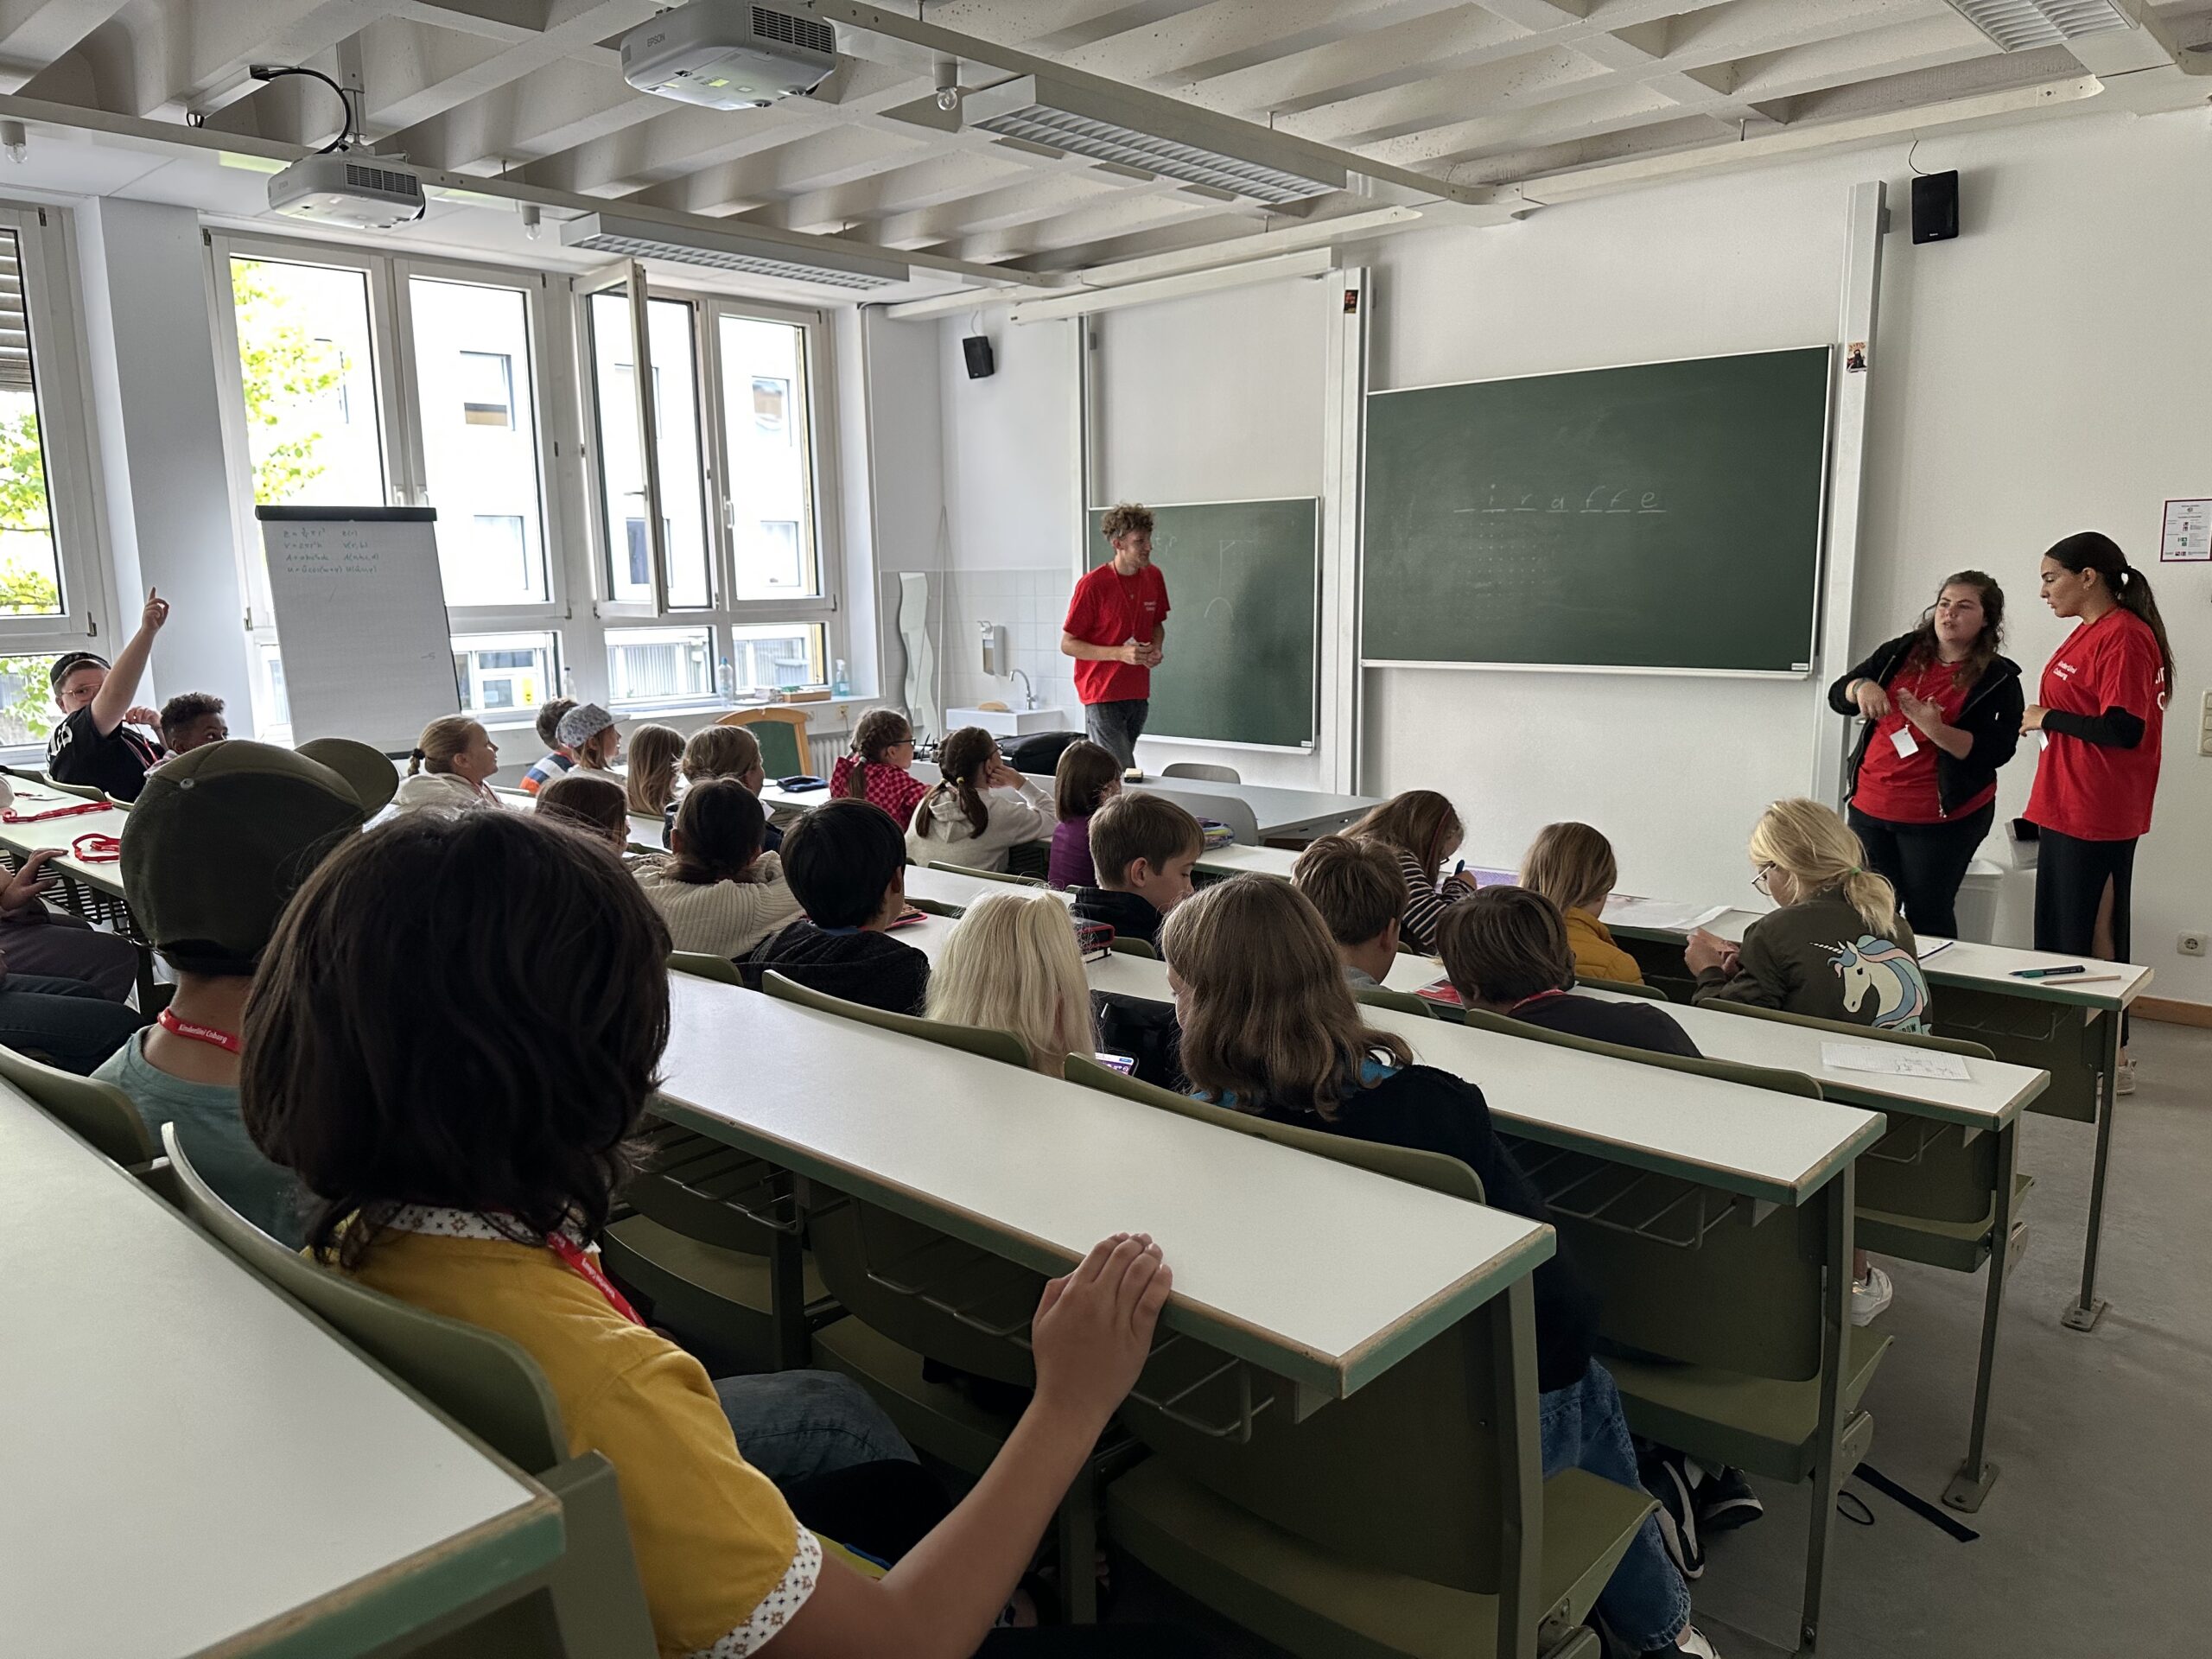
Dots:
{"x": 2048, "y": 973}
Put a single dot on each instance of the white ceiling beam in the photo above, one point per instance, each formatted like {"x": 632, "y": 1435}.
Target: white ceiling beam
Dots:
{"x": 1040, "y": 196}
{"x": 815, "y": 163}
{"x": 35, "y": 32}
{"x": 159, "y": 57}
{"x": 1231, "y": 35}
{"x": 923, "y": 180}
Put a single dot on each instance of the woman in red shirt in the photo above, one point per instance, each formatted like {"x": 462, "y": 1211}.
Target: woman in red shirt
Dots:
{"x": 2102, "y": 712}
{"x": 1942, "y": 713}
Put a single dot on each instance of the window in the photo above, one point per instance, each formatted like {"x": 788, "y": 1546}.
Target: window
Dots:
{"x": 659, "y": 664}
{"x": 770, "y": 658}
{"x": 305, "y": 362}
{"x": 767, "y": 477}
{"x": 671, "y": 340}
{"x": 488, "y": 380}
{"x": 505, "y": 673}
{"x": 480, "y": 441}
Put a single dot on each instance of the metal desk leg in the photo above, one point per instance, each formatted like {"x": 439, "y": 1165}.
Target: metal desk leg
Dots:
{"x": 2084, "y": 1313}
{"x": 1835, "y": 1352}
{"x": 1977, "y": 1474}
{"x": 789, "y": 1338}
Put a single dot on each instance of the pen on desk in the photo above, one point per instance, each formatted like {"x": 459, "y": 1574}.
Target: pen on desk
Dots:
{"x": 1938, "y": 947}
{"x": 2048, "y": 973}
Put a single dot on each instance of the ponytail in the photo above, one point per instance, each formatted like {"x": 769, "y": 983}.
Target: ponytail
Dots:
{"x": 961, "y": 759}
{"x": 856, "y": 780}
{"x": 2133, "y": 590}
{"x": 415, "y": 763}
{"x": 2092, "y": 550}
{"x": 442, "y": 740}
{"x": 1819, "y": 854}
{"x": 1875, "y": 900}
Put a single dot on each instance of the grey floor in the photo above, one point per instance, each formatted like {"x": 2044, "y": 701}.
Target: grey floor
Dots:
{"x": 2097, "y": 1538}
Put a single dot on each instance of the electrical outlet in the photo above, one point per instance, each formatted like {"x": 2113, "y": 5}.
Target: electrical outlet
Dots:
{"x": 2190, "y": 944}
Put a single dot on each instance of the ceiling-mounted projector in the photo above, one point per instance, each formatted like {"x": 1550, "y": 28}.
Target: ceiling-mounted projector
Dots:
{"x": 347, "y": 187}
{"x": 729, "y": 54}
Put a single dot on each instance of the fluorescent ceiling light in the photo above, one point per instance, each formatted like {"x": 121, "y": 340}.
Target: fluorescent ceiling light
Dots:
{"x": 2021, "y": 25}
{"x": 645, "y": 239}
{"x": 1080, "y": 120}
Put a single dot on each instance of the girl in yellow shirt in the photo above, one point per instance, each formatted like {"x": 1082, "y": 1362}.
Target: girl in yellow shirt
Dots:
{"x": 1573, "y": 865}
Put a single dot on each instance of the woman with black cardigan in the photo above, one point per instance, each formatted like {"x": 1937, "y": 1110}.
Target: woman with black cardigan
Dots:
{"x": 1942, "y": 713}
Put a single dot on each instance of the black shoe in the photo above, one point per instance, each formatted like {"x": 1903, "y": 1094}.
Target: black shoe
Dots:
{"x": 1665, "y": 1478}
{"x": 1726, "y": 1502}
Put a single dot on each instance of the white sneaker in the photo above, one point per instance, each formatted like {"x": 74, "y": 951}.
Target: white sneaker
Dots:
{"x": 2123, "y": 1080}
{"x": 1693, "y": 1640}
{"x": 1871, "y": 1296}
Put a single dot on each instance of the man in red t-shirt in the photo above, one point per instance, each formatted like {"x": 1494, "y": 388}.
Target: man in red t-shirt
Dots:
{"x": 1116, "y": 625}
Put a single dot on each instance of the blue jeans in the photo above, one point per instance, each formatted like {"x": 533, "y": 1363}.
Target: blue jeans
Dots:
{"x": 793, "y": 1426}
{"x": 1116, "y": 727}
{"x": 64, "y": 1020}
{"x": 1581, "y": 1428}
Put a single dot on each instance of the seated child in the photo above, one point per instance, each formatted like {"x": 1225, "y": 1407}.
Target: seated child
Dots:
{"x": 1144, "y": 847}
{"x": 1013, "y": 964}
{"x": 1086, "y": 776}
{"x": 651, "y": 778}
{"x": 1506, "y": 951}
{"x": 881, "y": 767}
{"x": 979, "y": 808}
{"x": 460, "y": 1113}
{"x": 1573, "y": 865}
{"x": 93, "y": 745}
{"x": 722, "y": 751}
{"x": 846, "y": 863}
{"x": 64, "y": 1022}
{"x": 447, "y": 773}
{"x": 1420, "y": 830}
{"x": 38, "y": 940}
{"x": 191, "y": 720}
{"x": 556, "y": 761}
{"x": 588, "y": 733}
{"x": 1833, "y": 947}
{"x": 1269, "y": 1026}
{"x": 717, "y": 892}
{"x": 277, "y": 813}
{"x": 1356, "y": 887}
{"x": 591, "y": 802}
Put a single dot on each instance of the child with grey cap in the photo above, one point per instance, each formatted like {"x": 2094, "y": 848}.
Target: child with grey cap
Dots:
{"x": 211, "y": 852}
{"x": 589, "y": 733}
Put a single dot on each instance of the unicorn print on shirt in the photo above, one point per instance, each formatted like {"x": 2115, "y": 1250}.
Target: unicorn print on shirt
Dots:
{"x": 1879, "y": 969}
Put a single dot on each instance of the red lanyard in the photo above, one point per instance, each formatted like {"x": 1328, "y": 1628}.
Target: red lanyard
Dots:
{"x": 13, "y": 816}
{"x": 96, "y": 848}
{"x": 584, "y": 1262}
{"x": 228, "y": 1041}
{"x": 1540, "y": 997}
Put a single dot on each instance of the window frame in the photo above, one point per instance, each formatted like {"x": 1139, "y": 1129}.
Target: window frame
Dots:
{"x": 817, "y": 446}
{"x": 61, "y": 385}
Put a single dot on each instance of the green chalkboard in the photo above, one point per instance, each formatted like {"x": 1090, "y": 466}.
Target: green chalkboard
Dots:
{"x": 1242, "y": 578}
{"x": 1666, "y": 516}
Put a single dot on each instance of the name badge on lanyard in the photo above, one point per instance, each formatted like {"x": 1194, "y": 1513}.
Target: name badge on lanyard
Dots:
{"x": 1901, "y": 740}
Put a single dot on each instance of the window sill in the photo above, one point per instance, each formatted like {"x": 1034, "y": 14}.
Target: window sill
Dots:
{"x": 631, "y": 713}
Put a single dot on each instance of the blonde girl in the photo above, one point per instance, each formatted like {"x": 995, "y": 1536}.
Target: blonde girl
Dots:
{"x": 1421, "y": 829}
{"x": 654, "y": 751}
{"x": 1573, "y": 865}
{"x": 723, "y": 752}
{"x": 1012, "y": 964}
{"x": 447, "y": 771}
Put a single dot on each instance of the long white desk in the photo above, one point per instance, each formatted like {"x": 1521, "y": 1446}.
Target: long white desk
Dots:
{"x": 60, "y": 834}
{"x": 1324, "y": 1273}
{"x": 194, "y": 1465}
{"x": 957, "y": 892}
{"x": 1289, "y": 813}
{"x": 2070, "y": 1028}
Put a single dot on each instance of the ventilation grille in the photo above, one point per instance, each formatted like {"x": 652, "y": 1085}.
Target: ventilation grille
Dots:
{"x": 384, "y": 178}
{"x": 1103, "y": 140}
{"x": 752, "y": 264}
{"x": 2022, "y": 25}
{"x": 810, "y": 33}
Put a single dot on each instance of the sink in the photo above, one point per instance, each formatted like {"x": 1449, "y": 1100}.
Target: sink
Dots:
{"x": 1016, "y": 722}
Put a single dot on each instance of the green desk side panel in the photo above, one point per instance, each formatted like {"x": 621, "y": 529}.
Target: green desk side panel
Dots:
{"x": 1664, "y": 516}
{"x": 1243, "y": 626}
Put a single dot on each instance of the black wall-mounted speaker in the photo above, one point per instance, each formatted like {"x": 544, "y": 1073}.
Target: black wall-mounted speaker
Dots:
{"x": 1935, "y": 207}
{"x": 980, "y": 364}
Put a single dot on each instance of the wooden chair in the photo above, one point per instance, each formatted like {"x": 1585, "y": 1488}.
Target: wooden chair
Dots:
{"x": 99, "y": 1112}
{"x": 1409, "y": 1519}
{"x": 1203, "y": 771}
{"x": 781, "y": 733}
{"x": 989, "y": 875}
{"x": 592, "y": 1603}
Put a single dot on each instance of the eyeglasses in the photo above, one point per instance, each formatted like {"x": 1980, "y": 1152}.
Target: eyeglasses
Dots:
{"x": 1759, "y": 879}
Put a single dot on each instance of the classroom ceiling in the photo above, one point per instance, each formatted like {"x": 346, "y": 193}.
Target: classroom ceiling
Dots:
{"x": 1468, "y": 113}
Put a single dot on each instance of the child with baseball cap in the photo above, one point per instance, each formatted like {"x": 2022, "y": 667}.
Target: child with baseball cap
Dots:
{"x": 94, "y": 744}
{"x": 215, "y": 849}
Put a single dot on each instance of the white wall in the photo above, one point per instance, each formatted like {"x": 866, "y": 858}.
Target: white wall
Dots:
{"x": 2045, "y": 373}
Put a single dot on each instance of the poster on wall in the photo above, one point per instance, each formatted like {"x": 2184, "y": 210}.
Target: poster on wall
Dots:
{"x": 2187, "y": 536}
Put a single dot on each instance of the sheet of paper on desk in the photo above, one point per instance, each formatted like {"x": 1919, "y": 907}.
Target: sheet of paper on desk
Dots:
{"x": 1665, "y": 915}
{"x": 1896, "y": 1062}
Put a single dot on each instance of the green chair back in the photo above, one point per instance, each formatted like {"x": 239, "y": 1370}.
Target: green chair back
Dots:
{"x": 973, "y": 1039}
{"x": 1758, "y": 1076}
{"x": 1135, "y": 948}
{"x": 988, "y": 875}
{"x": 933, "y": 906}
{"x": 1350, "y": 1479}
{"x": 782, "y": 753}
{"x": 1378, "y": 996}
{"x": 492, "y": 1387}
{"x": 1620, "y": 987}
{"x": 99, "y": 1111}
{"x": 702, "y": 964}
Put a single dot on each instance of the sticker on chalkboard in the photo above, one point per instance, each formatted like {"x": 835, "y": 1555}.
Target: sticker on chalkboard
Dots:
{"x": 1801, "y": 668}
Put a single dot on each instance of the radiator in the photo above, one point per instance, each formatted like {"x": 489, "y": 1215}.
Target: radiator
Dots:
{"x": 821, "y": 753}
